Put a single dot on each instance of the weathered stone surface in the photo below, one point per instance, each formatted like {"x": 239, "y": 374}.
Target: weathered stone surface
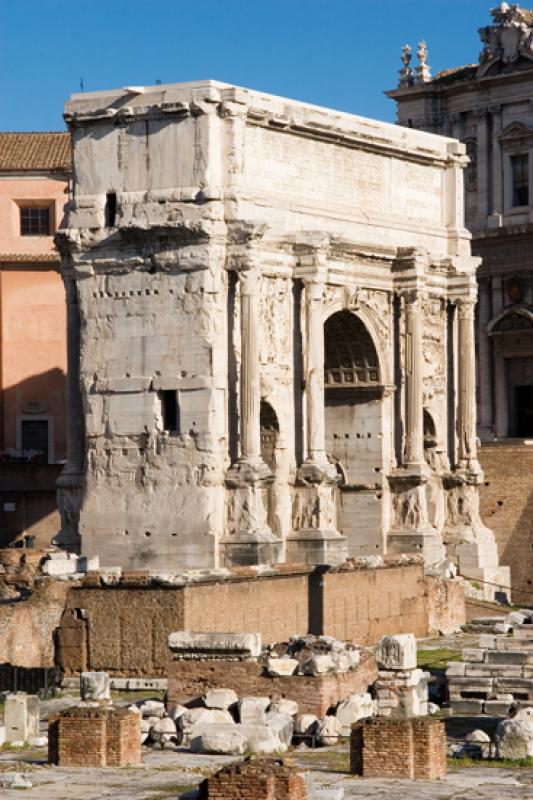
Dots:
{"x": 397, "y": 652}
{"x": 223, "y": 739}
{"x": 187, "y": 643}
{"x": 152, "y": 708}
{"x": 263, "y": 740}
{"x": 319, "y": 665}
{"x": 21, "y": 716}
{"x": 514, "y": 737}
{"x": 283, "y": 724}
{"x": 252, "y": 710}
{"x": 164, "y": 730}
{"x": 284, "y": 706}
{"x": 355, "y": 707}
{"x": 191, "y": 724}
{"x": 305, "y": 723}
{"x": 328, "y": 730}
{"x": 220, "y": 698}
{"x": 95, "y": 686}
{"x": 283, "y": 666}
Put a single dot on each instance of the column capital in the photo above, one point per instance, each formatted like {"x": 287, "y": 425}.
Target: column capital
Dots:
{"x": 466, "y": 306}
{"x": 250, "y": 280}
{"x": 481, "y": 114}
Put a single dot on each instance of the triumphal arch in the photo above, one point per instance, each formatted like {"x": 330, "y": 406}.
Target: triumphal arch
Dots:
{"x": 271, "y": 341}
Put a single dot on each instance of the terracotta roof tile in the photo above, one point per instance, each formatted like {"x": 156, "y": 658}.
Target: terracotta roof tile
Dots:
{"x": 35, "y": 151}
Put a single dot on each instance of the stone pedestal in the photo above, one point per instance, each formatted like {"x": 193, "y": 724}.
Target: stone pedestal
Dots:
{"x": 21, "y": 717}
{"x": 401, "y": 689}
{"x": 411, "y": 531}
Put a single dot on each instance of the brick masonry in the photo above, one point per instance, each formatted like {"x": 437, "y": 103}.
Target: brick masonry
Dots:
{"x": 507, "y": 507}
{"x": 94, "y": 737}
{"x": 123, "y": 628}
{"x": 189, "y": 680}
{"x": 412, "y": 748}
{"x": 261, "y": 779}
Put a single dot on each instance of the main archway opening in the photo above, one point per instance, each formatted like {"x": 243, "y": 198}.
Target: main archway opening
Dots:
{"x": 354, "y": 429}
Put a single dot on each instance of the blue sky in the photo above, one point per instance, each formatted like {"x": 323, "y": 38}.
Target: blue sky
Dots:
{"x": 336, "y": 53}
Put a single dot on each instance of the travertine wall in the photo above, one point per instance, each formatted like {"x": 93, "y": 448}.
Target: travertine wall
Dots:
{"x": 205, "y": 263}
{"x": 123, "y": 628}
{"x": 507, "y": 506}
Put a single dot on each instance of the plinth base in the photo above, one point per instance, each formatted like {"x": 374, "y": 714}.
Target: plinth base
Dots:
{"x": 427, "y": 544}
{"x": 316, "y": 547}
{"x": 251, "y": 551}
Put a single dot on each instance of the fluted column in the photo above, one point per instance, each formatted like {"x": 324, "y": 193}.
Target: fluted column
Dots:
{"x": 497, "y": 187}
{"x": 316, "y": 426}
{"x": 250, "y": 379}
{"x": 466, "y": 409}
{"x": 414, "y": 398}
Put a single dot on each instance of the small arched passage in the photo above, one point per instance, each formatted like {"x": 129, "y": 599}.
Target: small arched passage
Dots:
{"x": 353, "y": 407}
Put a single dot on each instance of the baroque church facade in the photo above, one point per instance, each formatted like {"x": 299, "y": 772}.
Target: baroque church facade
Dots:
{"x": 488, "y": 106}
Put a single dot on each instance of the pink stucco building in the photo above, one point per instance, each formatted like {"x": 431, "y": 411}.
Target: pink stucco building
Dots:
{"x": 34, "y": 187}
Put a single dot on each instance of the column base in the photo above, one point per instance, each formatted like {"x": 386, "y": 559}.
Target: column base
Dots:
{"x": 426, "y": 543}
{"x": 70, "y": 485}
{"x": 251, "y": 550}
{"x": 316, "y": 547}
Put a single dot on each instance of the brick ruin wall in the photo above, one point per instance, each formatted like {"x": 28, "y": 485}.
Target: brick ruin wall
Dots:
{"x": 189, "y": 680}
{"x": 123, "y": 628}
{"x": 261, "y": 779}
{"x": 398, "y": 748}
{"x": 506, "y": 501}
{"x": 94, "y": 737}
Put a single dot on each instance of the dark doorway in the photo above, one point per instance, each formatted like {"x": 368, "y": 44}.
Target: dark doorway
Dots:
{"x": 34, "y": 435}
{"x": 523, "y": 410}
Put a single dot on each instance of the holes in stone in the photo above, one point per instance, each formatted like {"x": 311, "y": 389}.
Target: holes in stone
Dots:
{"x": 487, "y": 483}
{"x": 173, "y": 534}
{"x": 346, "y": 435}
{"x": 377, "y": 469}
{"x": 110, "y": 209}
{"x": 500, "y": 503}
{"x": 148, "y": 534}
{"x": 126, "y": 533}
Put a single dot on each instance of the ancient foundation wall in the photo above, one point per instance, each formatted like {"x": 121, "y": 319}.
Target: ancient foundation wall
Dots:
{"x": 123, "y": 628}
{"x": 315, "y": 694}
{"x": 27, "y": 628}
{"x": 507, "y": 507}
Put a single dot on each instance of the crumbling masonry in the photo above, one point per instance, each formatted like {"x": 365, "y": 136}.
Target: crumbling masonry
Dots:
{"x": 271, "y": 341}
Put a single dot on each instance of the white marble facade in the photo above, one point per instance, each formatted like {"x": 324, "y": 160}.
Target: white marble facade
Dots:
{"x": 271, "y": 335}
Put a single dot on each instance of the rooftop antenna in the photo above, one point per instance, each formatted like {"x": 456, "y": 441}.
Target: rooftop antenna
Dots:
{"x": 81, "y": 84}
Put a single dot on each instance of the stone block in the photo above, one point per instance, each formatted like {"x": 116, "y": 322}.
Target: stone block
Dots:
{"x": 467, "y": 706}
{"x": 220, "y": 698}
{"x": 319, "y": 665}
{"x": 21, "y": 716}
{"x": 497, "y": 708}
{"x": 281, "y": 667}
{"x": 192, "y": 723}
{"x": 487, "y": 641}
{"x": 163, "y": 730}
{"x": 152, "y": 708}
{"x": 252, "y": 710}
{"x": 283, "y": 724}
{"x": 354, "y": 708}
{"x": 397, "y": 652}
{"x": 220, "y": 739}
{"x": 56, "y": 567}
{"x": 328, "y": 730}
{"x": 507, "y": 657}
{"x": 455, "y": 669}
{"x": 2, "y": 735}
{"x": 205, "y": 644}
{"x": 284, "y": 706}
{"x": 473, "y": 654}
{"x": 94, "y": 686}
{"x": 514, "y": 737}
{"x": 305, "y": 724}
